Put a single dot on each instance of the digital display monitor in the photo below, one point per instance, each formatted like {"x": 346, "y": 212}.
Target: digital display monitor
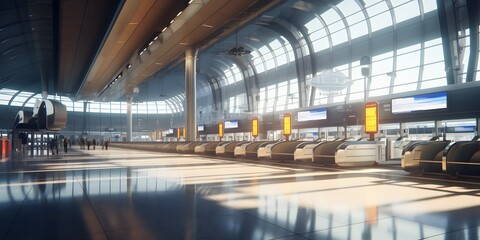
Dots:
{"x": 311, "y": 115}
{"x": 419, "y": 103}
{"x": 231, "y": 124}
{"x": 169, "y": 131}
{"x": 371, "y": 117}
{"x": 255, "y": 127}
{"x": 464, "y": 129}
{"x": 287, "y": 124}
{"x": 220, "y": 129}
{"x": 201, "y": 128}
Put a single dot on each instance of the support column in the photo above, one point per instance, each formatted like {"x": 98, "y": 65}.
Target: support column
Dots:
{"x": 190, "y": 93}
{"x": 84, "y": 124}
{"x": 477, "y": 132}
{"x": 129, "y": 118}
{"x": 32, "y": 143}
{"x": 437, "y": 126}
{"x": 449, "y": 31}
{"x": 403, "y": 130}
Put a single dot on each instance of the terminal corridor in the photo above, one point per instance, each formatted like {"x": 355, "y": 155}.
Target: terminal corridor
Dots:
{"x": 130, "y": 194}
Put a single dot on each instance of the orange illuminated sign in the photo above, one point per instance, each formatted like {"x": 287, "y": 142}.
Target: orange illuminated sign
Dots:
{"x": 371, "y": 117}
{"x": 255, "y": 127}
{"x": 287, "y": 124}
{"x": 178, "y": 133}
{"x": 184, "y": 132}
{"x": 220, "y": 129}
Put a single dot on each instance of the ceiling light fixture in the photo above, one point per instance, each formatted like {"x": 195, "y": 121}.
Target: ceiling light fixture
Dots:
{"x": 179, "y": 13}
{"x": 173, "y": 20}
{"x": 155, "y": 38}
{"x": 190, "y": 1}
{"x": 128, "y": 66}
{"x": 238, "y": 51}
{"x": 165, "y": 28}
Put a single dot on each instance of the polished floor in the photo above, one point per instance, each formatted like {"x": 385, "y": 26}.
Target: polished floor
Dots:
{"x": 127, "y": 194}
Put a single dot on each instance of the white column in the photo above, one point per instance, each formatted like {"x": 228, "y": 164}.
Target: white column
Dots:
{"x": 129, "y": 118}
{"x": 190, "y": 93}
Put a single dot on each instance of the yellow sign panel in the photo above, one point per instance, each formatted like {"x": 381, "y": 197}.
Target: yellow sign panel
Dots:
{"x": 184, "y": 132}
{"x": 220, "y": 129}
{"x": 287, "y": 124}
{"x": 255, "y": 127}
{"x": 371, "y": 117}
{"x": 178, "y": 133}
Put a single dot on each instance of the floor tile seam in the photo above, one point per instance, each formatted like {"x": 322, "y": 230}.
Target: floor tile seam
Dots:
{"x": 16, "y": 214}
{"x": 85, "y": 193}
{"x": 273, "y": 224}
{"x": 272, "y": 162}
{"x": 344, "y": 225}
{"x": 450, "y": 231}
{"x": 340, "y": 171}
{"x": 283, "y": 237}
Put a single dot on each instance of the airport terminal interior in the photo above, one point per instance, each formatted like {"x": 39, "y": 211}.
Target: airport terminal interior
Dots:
{"x": 239, "y": 119}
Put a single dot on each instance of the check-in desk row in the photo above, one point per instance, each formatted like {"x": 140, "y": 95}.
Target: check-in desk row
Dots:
{"x": 341, "y": 152}
{"x": 444, "y": 157}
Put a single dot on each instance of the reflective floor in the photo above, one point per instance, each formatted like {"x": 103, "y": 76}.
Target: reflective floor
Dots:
{"x": 127, "y": 194}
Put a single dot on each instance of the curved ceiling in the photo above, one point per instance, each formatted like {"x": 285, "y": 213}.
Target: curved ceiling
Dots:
{"x": 26, "y": 45}
{"x": 201, "y": 23}
{"x": 76, "y": 48}
{"x": 48, "y": 45}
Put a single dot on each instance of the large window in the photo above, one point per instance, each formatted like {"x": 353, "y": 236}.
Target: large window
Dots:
{"x": 20, "y": 99}
{"x": 6, "y": 95}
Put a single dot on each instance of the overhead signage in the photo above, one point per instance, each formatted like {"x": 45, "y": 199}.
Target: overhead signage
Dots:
{"x": 231, "y": 124}
{"x": 201, "y": 128}
{"x": 419, "y": 103}
{"x": 371, "y": 117}
{"x": 220, "y": 129}
{"x": 255, "y": 127}
{"x": 287, "y": 124}
{"x": 311, "y": 115}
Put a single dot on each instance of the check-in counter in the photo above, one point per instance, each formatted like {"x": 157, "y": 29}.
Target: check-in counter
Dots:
{"x": 241, "y": 150}
{"x": 172, "y": 147}
{"x": 284, "y": 150}
{"x": 189, "y": 147}
{"x": 462, "y": 158}
{"x": 230, "y": 149}
{"x": 200, "y": 148}
{"x": 179, "y": 148}
{"x": 251, "y": 150}
{"x": 358, "y": 153}
{"x": 424, "y": 156}
{"x": 220, "y": 150}
{"x": 265, "y": 150}
{"x": 304, "y": 151}
{"x": 397, "y": 148}
{"x": 210, "y": 148}
{"x": 324, "y": 152}
{"x": 148, "y": 146}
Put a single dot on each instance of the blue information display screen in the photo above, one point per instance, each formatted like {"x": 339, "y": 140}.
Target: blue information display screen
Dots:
{"x": 231, "y": 124}
{"x": 419, "y": 103}
{"x": 311, "y": 115}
